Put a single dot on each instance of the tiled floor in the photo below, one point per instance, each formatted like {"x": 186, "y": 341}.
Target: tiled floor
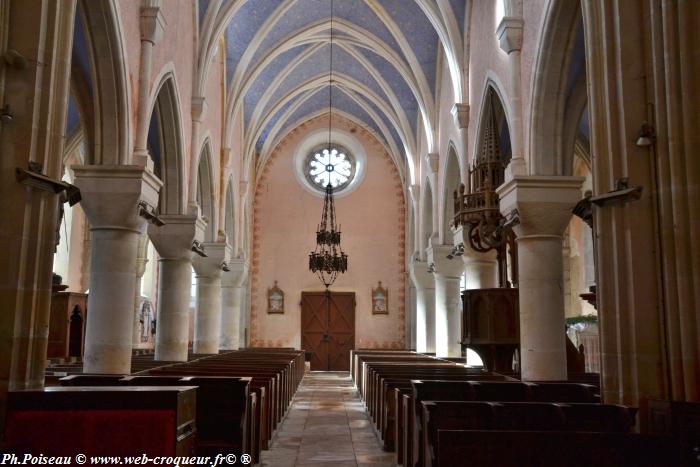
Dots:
{"x": 327, "y": 425}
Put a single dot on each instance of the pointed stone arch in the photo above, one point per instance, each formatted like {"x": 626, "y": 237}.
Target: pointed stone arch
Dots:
{"x": 493, "y": 100}
{"x": 111, "y": 97}
{"x": 427, "y": 214}
{"x": 166, "y": 145}
{"x": 205, "y": 191}
{"x": 230, "y": 216}
{"x": 549, "y": 96}
{"x": 450, "y": 182}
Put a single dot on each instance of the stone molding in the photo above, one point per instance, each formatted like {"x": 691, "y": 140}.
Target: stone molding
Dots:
{"x": 433, "y": 161}
{"x": 421, "y": 277}
{"x": 460, "y": 113}
{"x": 236, "y": 277}
{"x": 510, "y": 34}
{"x": 543, "y": 202}
{"x": 152, "y": 24}
{"x": 111, "y": 194}
{"x": 174, "y": 239}
{"x": 217, "y": 253}
{"x": 437, "y": 255}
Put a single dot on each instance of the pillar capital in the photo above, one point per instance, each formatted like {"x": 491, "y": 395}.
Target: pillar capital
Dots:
{"x": 420, "y": 275}
{"x": 433, "y": 161}
{"x": 112, "y": 194}
{"x": 510, "y": 34}
{"x": 460, "y": 112}
{"x": 437, "y": 255}
{"x": 174, "y": 239}
{"x": 152, "y": 23}
{"x": 199, "y": 108}
{"x": 218, "y": 254}
{"x": 543, "y": 202}
{"x": 237, "y": 274}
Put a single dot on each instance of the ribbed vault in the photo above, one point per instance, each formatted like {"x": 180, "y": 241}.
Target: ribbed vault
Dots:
{"x": 386, "y": 55}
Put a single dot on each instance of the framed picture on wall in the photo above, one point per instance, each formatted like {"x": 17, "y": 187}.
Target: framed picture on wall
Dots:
{"x": 380, "y": 300}
{"x": 275, "y": 300}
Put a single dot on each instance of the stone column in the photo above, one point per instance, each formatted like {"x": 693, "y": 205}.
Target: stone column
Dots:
{"x": 460, "y": 113}
{"x": 231, "y": 302}
{"x": 647, "y": 250}
{"x": 173, "y": 241}
{"x": 35, "y": 93}
{"x": 207, "y": 318}
{"x": 425, "y": 306}
{"x": 111, "y": 196}
{"x": 544, "y": 204}
{"x": 510, "y": 39}
{"x": 141, "y": 261}
{"x": 448, "y": 302}
{"x": 481, "y": 268}
{"x": 152, "y": 24}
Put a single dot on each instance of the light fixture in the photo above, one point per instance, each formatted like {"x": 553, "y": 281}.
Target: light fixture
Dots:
{"x": 646, "y": 136}
{"x": 5, "y": 115}
{"x": 328, "y": 259}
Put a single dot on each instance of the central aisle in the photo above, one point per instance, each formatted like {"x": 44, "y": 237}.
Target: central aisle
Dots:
{"x": 326, "y": 425}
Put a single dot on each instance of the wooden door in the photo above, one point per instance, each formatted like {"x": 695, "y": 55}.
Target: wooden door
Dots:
{"x": 328, "y": 329}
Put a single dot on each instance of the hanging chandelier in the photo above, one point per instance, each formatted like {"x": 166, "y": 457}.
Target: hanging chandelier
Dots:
{"x": 328, "y": 259}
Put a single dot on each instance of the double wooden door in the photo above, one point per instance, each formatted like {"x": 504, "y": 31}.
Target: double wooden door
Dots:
{"x": 328, "y": 329}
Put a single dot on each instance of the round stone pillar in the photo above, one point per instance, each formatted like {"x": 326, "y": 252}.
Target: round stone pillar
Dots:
{"x": 231, "y": 303}
{"x": 207, "y": 318}
{"x": 172, "y": 326}
{"x": 448, "y": 302}
{"x": 425, "y": 306}
{"x": 481, "y": 269}
{"x": 544, "y": 205}
{"x": 173, "y": 241}
{"x": 542, "y": 336}
{"x": 111, "y": 196}
{"x": 141, "y": 261}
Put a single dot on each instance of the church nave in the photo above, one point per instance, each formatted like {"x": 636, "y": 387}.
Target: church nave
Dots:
{"x": 326, "y": 425}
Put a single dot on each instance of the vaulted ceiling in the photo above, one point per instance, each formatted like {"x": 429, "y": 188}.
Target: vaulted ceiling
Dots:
{"x": 384, "y": 53}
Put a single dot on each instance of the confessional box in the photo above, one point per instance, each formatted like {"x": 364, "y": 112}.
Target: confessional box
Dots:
{"x": 107, "y": 421}
{"x": 67, "y": 325}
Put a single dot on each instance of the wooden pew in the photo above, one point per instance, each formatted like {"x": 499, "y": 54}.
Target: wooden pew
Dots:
{"x": 510, "y": 391}
{"x": 518, "y": 416}
{"x": 222, "y": 406}
{"x": 482, "y": 448}
{"x": 108, "y": 421}
{"x": 276, "y": 374}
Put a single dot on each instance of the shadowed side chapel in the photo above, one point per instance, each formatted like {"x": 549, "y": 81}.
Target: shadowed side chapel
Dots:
{"x": 350, "y": 232}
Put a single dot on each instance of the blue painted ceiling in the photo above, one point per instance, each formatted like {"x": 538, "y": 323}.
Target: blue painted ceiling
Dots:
{"x": 391, "y": 95}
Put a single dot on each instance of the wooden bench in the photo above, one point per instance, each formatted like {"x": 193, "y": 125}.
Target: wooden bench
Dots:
{"x": 482, "y": 448}
{"x": 275, "y": 377}
{"x": 222, "y": 406}
{"x": 504, "y": 391}
{"x": 108, "y": 421}
{"x": 518, "y": 416}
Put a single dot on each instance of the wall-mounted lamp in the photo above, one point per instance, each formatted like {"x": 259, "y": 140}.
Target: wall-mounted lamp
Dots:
{"x": 149, "y": 214}
{"x": 198, "y": 248}
{"x": 5, "y": 115}
{"x": 646, "y": 136}
{"x": 458, "y": 250}
{"x": 15, "y": 59}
